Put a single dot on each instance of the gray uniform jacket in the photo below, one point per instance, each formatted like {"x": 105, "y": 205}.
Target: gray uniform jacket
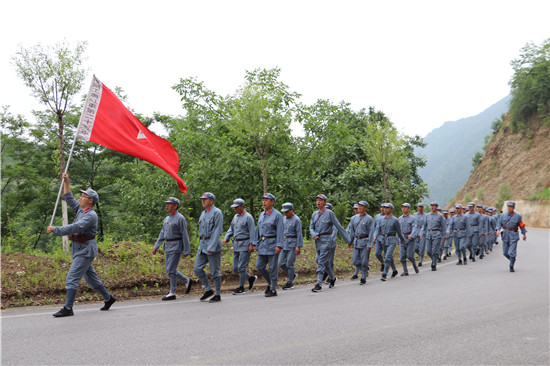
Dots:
{"x": 474, "y": 219}
{"x": 459, "y": 226}
{"x": 361, "y": 229}
{"x": 484, "y": 224}
{"x": 418, "y": 224}
{"x": 407, "y": 224}
{"x": 513, "y": 222}
{"x": 210, "y": 230}
{"x": 292, "y": 231}
{"x": 323, "y": 223}
{"x": 174, "y": 227}
{"x": 269, "y": 232}
{"x": 434, "y": 226}
{"x": 387, "y": 228}
{"x": 242, "y": 230}
{"x": 85, "y": 222}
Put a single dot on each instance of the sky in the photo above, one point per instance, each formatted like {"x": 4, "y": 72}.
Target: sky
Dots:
{"x": 420, "y": 62}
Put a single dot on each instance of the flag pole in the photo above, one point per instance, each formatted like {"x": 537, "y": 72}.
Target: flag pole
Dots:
{"x": 63, "y": 180}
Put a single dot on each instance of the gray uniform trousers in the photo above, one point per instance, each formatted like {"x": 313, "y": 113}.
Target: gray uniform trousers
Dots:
{"x": 406, "y": 251}
{"x": 287, "y": 258}
{"x": 214, "y": 261}
{"x": 240, "y": 266}
{"x": 379, "y": 251}
{"x": 82, "y": 267}
{"x": 509, "y": 245}
{"x": 389, "y": 243}
{"x": 420, "y": 248}
{"x": 323, "y": 258}
{"x": 473, "y": 244}
{"x": 272, "y": 275}
{"x": 171, "y": 261}
{"x": 433, "y": 242}
{"x": 461, "y": 243}
{"x": 360, "y": 258}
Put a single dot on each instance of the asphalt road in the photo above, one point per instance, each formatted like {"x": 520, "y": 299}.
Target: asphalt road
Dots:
{"x": 474, "y": 314}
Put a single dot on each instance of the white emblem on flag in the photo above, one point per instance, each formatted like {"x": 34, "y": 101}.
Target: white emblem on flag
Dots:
{"x": 141, "y": 135}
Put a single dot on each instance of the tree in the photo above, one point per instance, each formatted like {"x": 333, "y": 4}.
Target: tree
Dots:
{"x": 261, "y": 112}
{"x": 55, "y": 76}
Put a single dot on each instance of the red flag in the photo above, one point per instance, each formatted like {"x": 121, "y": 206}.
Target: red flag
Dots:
{"x": 106, "y": 121}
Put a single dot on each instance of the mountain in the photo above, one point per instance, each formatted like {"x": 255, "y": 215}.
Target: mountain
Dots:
{"x": 450, "y": 149}
{"x": 516, "y": 167}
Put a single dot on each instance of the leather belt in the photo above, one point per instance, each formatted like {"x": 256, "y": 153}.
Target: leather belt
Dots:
{"x": 267, "y": 237}
{"x": 290, "y": 237}
{"x": 388, "y": 234}
{"x": 362, "y": 237}
{"x": 325, "y": 234}
{"x": 434, "y": 230}
{"x": 81, "y": 238}
{"x": 205, "y": 237}
{"x": 510, "y": 228}
{"x": 407, "y": 233}
{"x": 172, "y": 239}
{"x": 473, "y": 225}
{"x": 460, "y": 229}
{"x": 242, "y": 239}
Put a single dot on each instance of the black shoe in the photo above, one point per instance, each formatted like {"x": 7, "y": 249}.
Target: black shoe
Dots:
{"x": 416, "y": 270}
{"x": 271, "y": 293}
{"x": 267, "y": 290}
{"x": 419, "y": 264}
{"x": 108, "y": 303}
{"x": 206, "y": 295}
{"x": 473, "y": 259}
{"x": 332, "y": 282}
{"x": 438, "y": 260}
{"x": 324, "y": 277}
{"x": 511, "y": 270}
{"x": 239, "y": 290}
{"x": 394, "y": 273}
{"x": 216, "y": 298}
{"x": 459, "y": 263}
{"x": 188, "y": 286}
{"x": 404, "y": 274}
{"x": 465, "y": 261}
{"x": 168, "y": 298}
{"x": 382, "y": 268}
{"x": 252, "y": 281}
{"x": 363, "y": 281}
{"x": 445, "y": 257}
{"x": 477, "y": 252}
{"x": 317, "y": 288}
{"x": 288, "y": 286}
{"x": 64, "y": 312}
{"x": 354, "y": 277}
{"x": 383, "y": 277}
{"x": 434, "y": 268}
{"x": 481, "y": 256}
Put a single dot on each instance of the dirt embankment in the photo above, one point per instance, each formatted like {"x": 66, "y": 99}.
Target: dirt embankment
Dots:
{"x": 516, "y": 162}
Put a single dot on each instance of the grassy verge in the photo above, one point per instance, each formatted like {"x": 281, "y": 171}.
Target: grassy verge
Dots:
{"x": 129, "y": 270}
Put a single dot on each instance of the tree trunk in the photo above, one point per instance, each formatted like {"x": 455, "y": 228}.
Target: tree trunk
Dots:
{"x": 264, "y": 171}
{"x": 100, "y": 221}
{"x": 64, "y": 213}
{"x": 389, "y": 186}
{"x": 385, "y": 191}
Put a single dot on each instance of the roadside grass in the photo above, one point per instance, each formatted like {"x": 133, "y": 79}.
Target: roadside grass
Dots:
{"x": 129, "y": 270}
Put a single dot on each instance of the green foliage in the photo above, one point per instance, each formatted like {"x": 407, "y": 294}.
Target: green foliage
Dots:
{"x": 495, "y": 126}
{"x": 467, "y": 198}
{"x": 544, "y": 194}
{"x": 476, "y": 160}
{"x": 480, "y": 194}
{"x": 530, "y": 83}
{"x": 504, "y": 194}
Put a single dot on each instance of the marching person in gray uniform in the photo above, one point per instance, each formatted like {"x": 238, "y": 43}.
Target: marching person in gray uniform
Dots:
{"x": 473, "y": 240}
{"x": 176, "y": 243}
{"x": 492, "y": 229}
{"x": 360, "y": 229}
{"x": 333, "y": 241}
{"x": 82, "y": 234}
{"x": 243, "y": 232}
{"x": 379, "y": 249}
{"x": 432, "y": 230}
{"x": 321, "y": 227}
{"x": 293, "y": 242}
{"x": 508, "y": 225}
{"x": 459, "y": 226}
{"x": 210, "y": 247}
{"x": 385, "y": 234}
{"x": 483, "y": 230}
{"x": 419, "y": 243}
{"x": 269, "y": 243}
{"x": 497, "y": 217}
{"x": 447, "y": 241}
{"x": 406, "y": 250}
{"x": 356, "y": 272}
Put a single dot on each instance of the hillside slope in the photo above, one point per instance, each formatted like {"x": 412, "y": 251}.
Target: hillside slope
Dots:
{"x": 448, "y": 166}
{"x": 516, "y": 165}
